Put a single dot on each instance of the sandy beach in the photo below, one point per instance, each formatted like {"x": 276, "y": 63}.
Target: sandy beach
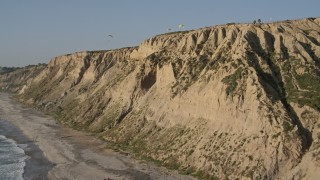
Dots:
{"x": 58, "y": 152}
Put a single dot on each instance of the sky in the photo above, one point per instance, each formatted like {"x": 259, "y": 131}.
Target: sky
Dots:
{"x": 35, "y": 31}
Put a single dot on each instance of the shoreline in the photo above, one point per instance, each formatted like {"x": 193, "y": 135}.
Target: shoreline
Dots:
{"x": 37, "y": 165}
{"x": 60, "y": 152}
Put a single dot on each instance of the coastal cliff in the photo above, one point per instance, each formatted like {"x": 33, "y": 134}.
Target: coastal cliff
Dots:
{"x": 228, "y": 101}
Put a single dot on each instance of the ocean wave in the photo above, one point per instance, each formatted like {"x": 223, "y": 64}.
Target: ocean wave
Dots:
{"x": 12, "y": 159}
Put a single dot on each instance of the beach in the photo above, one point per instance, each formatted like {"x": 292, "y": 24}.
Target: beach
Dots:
{"x": 58, "y": 152}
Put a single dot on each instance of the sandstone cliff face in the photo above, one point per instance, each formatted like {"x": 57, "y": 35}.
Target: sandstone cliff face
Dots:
{"x": 237, "y": 101}
{"x": 20, "y": 78}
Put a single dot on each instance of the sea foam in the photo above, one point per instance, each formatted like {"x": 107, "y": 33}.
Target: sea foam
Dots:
{"x": 12, "y": 159}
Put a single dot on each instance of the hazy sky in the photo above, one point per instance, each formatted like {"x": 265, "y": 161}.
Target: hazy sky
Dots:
{"x": 34, "y": 31}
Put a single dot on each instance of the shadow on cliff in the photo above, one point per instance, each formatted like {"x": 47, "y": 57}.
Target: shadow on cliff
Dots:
{"x": 273, "y": 83}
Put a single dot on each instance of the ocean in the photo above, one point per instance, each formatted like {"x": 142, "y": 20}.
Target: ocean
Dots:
{"x": 12, "y": 159}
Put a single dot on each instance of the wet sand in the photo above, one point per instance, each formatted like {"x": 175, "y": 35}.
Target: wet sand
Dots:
{"x": 37, "y": 166}
{"x": 58, "y": 152}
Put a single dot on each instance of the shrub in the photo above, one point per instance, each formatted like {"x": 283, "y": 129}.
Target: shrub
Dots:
{"x": 287, "y": 126}
{"x": 231, "y": 81}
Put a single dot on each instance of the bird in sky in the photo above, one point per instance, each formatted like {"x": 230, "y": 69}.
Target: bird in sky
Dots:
{"x": 110, "y": 35}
